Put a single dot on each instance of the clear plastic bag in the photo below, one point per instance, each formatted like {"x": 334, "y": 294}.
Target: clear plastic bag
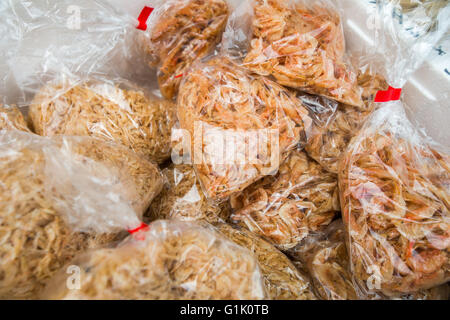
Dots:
{"x": 393, "y": 180}
{"x": 301, "y": 199}
{"x": 282, "y": 280}
{"x": 242, "y": 126}
{"x": 335, "y": 124}
{"x": 395, "y": 202}
{"x": 300, "y": 43}
{"x": 169, "y": 260}
{"x": 61, "y": 196}
{"x": 326, "y": 258}
{"x": 180, "y": 32}
{"x": 118, "y": 112}
{"x": 182, "y": 198}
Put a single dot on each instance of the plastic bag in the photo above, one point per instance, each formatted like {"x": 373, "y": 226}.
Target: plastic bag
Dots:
{"x": 336, "y": 123}
{"x": 43, "y": 39}
{"x": 180, "y": 32}
{"x": 61, "y": 196}
{"x": 170, "y": 260}
{"x": 395, "y": 202}
{"x": 393, "y": 181}
{"x": 182, "y": 198}
{"x": 282, "y": 280}
{"x": 242, "y": 126}
{"x": 301, "y": 199}
{"x": 118, "y": 112}
{"x": 300, "y": 43}
{"x": 327, "y": 261}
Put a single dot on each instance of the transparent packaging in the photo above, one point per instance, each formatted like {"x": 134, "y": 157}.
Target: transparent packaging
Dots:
{"x": 299, "y": 43}
{"x": 61, "y": 196}
{"x": 109, "y": 110}
{"x": 180, "y": 32}
{"x": 242, "y": 126}
{"x": 282, "y": 280}
{"x": 182, "y": 198}
{"x": 302, "y": 198}
{"x": 169, "y": 260}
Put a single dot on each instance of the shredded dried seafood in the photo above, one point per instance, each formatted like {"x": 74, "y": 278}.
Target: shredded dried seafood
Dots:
{"x": 106, "y": 111}
{"x": 336, "y": 124}
{"x": 282, "y": 280}
{"x": 182, "y": 198}
{"x": 242, "y": 126}
{"x": 395, "y": 201}
{"x": 185, "y": 30}
{"x": 11, "y": 118}
{"x": 302, "y": 46}
{"x": 302, "y": 198}
{"x": 61, "y": 196}
{"x": 171, "y": 260}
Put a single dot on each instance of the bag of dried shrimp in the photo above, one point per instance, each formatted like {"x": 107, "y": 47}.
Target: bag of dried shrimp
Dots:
{"x": 393, "y": 179}
{"x": 180, "y": 32}
{"x": 395, "y": 203}
{"x": 168, "y": 260}
{"x": 302, "y": 198}
{"x": 299, "y": 43}
{"x": 327, "y": 261}
{"x": 336, "y": 123}
{"x": 111, "y": 111}
{"x": 182, "y": 198}
{"x": 242, "y": 126}
{"x": 60, "y": 196}
{"x": 282, "y": 280}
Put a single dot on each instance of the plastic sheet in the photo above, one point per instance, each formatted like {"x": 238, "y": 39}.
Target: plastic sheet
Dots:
{"x": 182, "y": 198}
{"x": 301, "y": 199}
{"x": 242, "y": 126}
{"x": 61, "y": 196}
{"x": 170, "y": 260}
{"x": 118, "y": 112}
{"x": 282, "y": 280}
{"x": 300, "y": 43}
{"x": 180, "y": 32}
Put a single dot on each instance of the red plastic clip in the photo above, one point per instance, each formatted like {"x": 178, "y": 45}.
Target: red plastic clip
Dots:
{"x": 143, "y": 17}
{"x": 179, "y": 76}
{"x": 391, "y": 94}
{"x": 141, "y": 227}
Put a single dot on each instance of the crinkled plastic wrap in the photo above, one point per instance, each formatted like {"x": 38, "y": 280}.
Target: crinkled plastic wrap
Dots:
{"x": 282, "y": 280}
{"x": 242, "y": 126}
{"x": 43, "y": 39}
{"x": 107, "y": 111}
{"x": 301, "y": 199}
{"x": 12, "y": 119}
{"x": 180, "y": 32}
{"x": 60, "y": 196}
{"x": 326, "y": 258}
{"x": 336, "y": 123}
{"x": 395, "y": 200}
{"x": 182, "y": 198}
{"x": 170, "y": 260}
{"x": 301, "y": 44}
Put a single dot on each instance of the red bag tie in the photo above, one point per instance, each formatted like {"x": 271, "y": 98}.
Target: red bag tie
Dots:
{"x": 143, "y": 17}
{"x": 141, "y": 227}
{"x": 391, "y": 94}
